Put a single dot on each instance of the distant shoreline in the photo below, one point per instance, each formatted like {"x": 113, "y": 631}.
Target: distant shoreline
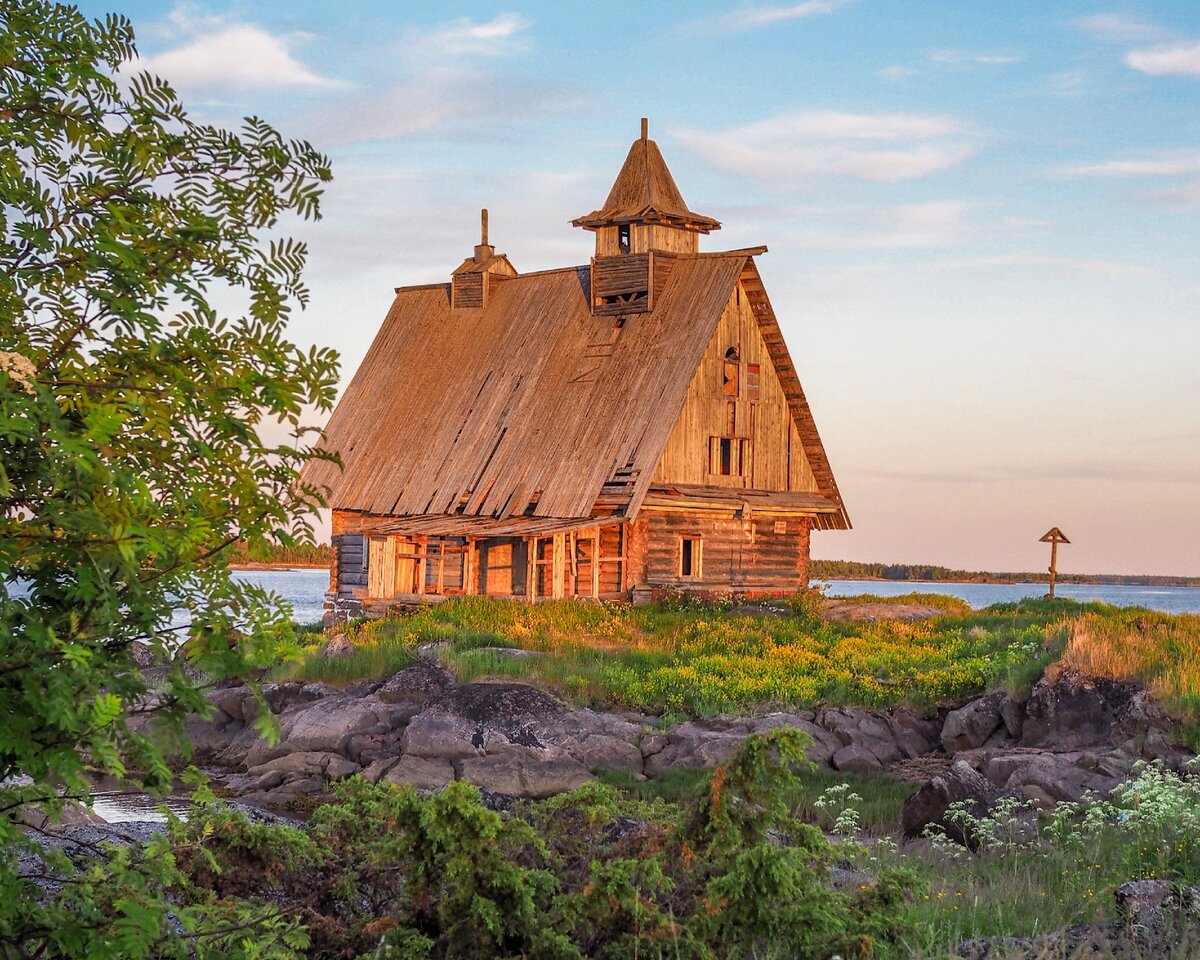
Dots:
{"x": 1113, "y": 581}
{"x": 249, "y": 565}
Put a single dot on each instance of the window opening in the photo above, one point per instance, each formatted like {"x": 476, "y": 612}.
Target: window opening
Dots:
{"x": 623, "y": 238}
{"x": 730, "y": 382}
{"x": 689, "y": 557}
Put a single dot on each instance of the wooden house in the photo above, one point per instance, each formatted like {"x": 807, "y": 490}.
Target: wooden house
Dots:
{"x": 619, "y": 429}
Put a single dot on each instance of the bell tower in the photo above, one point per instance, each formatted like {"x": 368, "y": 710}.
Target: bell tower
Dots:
{"x": 645, "y": 210}
{"x": 644, "y": 214}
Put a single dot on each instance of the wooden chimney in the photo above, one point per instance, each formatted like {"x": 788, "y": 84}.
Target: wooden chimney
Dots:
{"x": 476, "y": 277}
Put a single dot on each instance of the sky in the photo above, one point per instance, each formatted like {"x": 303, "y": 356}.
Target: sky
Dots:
{"x": 982, "y": 219}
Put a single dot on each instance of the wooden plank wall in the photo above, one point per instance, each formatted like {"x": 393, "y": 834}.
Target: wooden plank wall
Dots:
{"x": 778, "y": 459}
{"x": 737, "y": 555}
{"x": 644, "y": 237}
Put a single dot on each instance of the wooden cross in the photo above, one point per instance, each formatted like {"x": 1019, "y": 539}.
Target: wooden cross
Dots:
{"x": 1054, "y": 537}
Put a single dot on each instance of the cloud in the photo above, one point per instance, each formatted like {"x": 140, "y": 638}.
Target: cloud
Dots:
{"x": 1026, "y": 223}
{"x": 1120, "y": 28}
{"x": 958, "y": 57}
{"x": 1089, "y": 266}
{"x": 1185, "y": 196}
{"x": 897, "y": 72}
{"x": 503, "y": 35}
{"x": 904, "y": 226}
{"x": 1179, "y": 60}
{"x": 235, "y": 56}
{"x": 752, "y": 16}
{"x": 885, "y": 147}
{"x": 447, "y": 101}
{"x": 1172, "y": 164}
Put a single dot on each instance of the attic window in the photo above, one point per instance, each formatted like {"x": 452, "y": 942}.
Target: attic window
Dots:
{"x": 729, "y": 456}
{"x": 729, "y": 383}
{"x": 752, "y": 380}
{"x": 690, "y": 550}
{"x": 623, "y": 238}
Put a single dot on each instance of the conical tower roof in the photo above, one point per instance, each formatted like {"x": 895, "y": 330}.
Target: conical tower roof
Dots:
{"x": 645, "y": 192}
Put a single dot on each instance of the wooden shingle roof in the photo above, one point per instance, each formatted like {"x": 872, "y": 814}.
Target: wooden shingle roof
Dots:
{"x": 532, "y": 406}
{"x": 645, "y": 191}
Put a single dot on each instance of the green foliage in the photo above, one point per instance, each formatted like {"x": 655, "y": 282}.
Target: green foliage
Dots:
{"x": 729, "y": 872}
{"x": 697, "y": 659}
{"x": 136, "y": 426}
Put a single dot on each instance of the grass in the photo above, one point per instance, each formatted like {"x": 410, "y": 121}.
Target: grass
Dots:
{"x": 1037, "y": 879}
{"x": 701, "y": 659}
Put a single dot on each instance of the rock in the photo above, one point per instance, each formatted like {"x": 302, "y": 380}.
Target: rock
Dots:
{"x": 1012, "y": 712}
{"x": 377, "y": 768}
{"x": 416, "y": 684}
{"x": 1139, "y": 898}
{"x": 326, "y": 724}
{"x": 1070, "y": 711}
{"x": 144, "y": 655}
{"x": 855, "y": 758}
{"x": 515, "y": 652}
{"x": 420, "y": 773}
{"x": 971, "y": 725}
{"x": 928, "y": 806}
{"x": 482, "y": 720}
{"x": 337, "y": 646}
{"x": 331, "y": 766}
{"x": 525, "y": 776}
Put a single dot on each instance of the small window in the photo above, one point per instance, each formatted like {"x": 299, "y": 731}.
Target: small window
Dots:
{"x": 726, "y": 456}
{"x": 690, "y": 549}
{"x": 623, "y": 238}
{"x": 752, "y": 380}
{"x": 730, "y": 382}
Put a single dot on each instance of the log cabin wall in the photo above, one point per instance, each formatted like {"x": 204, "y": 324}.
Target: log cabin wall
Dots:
{"x": 755, "y": 556}
{"x": 773, "y": 458}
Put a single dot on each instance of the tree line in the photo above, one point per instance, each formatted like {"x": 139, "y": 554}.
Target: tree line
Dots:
{"x": 856, "y": 570}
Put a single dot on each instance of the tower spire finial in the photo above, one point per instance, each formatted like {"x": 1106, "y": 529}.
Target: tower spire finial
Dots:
{"x": 483, "y": 227}
{"x": 645, "y": 128}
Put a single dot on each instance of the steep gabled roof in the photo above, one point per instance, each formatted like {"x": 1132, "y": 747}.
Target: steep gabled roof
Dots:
{"x": 645, "y": 191}
{"x": 529, "y": 406}
{"x": 806, "y": 426}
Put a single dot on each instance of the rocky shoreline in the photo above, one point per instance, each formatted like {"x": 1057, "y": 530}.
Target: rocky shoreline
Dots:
{"x": 1073, "y": 735}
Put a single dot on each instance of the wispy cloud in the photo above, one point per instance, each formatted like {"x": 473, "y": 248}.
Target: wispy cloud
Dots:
{"x": 960, "y": 57}
{"x": 1170, "y": 164}
{"x": 235, "y": 56}
{"x": 503, "y": 35}
{"x": 754, "y": 15}
{"x": 1120, "y": 28}
{"x": 884, "y": 147}
{"x": 1179, "y": 59}
{"x": 444, "y": 102}
{"x": 1091, "y": 266}
{"x": 897, "y": 72}
{"x": 1184, "y": 196}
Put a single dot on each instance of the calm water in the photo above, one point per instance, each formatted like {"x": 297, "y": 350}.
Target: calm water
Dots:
{"x": 305, "y": 588}
{"x": 1166, "y": 599}
{"x": 302, "y": 587}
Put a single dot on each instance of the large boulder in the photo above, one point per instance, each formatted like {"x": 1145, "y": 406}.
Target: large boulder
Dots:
{"x": 419, "y": 772}
{"x": 523, "y": 774}
{"x": 497, "y": 719}
{"x": 929, "y": 805}
{"x": 1070, "y": 711}
{"x": 971, "y": 725}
